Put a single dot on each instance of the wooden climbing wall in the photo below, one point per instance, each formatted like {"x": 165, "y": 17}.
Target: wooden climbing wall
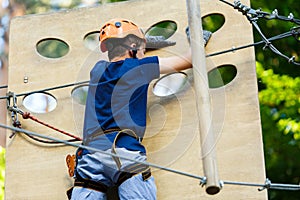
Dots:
{"x": 38, "y": 171}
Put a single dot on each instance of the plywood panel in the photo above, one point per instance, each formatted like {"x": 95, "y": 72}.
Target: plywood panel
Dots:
{"x": 37, "y": 171}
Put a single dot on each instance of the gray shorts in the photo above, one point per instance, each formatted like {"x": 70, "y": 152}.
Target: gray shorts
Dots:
{"x": 103, "y": 168}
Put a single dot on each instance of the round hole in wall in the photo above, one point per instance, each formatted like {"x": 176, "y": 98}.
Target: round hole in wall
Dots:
{"x": 221, "y": 75}
{"x": 170, "y": 84}
{"x": 213, "y": 22}
{"x": 79, "y": 94}
{"x": 52, "y": 48}
{"x": 164, "y": 28}
{"x": 91, "y": 40}
{"x": 40, "y": 102}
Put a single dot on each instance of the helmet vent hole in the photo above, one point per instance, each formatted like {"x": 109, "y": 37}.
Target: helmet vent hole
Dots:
{"x": 118, "y": 24}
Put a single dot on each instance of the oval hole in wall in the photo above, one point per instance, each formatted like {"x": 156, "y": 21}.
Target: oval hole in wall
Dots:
{"x": 40, "y": 102}
{"x": 79, "y": 94}
{"x": 52, "y": 48}
{"x": 170, "y": 84}
{"x": 164, "y": 28}
{"x": 213, "y": 22}
{"x": 91, "y": 40}
{"x": 221, "y": 75}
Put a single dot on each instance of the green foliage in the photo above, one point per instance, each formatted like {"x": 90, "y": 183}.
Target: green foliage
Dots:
{"x": 52, "y": 48}
{"x": 279, "y": 92}
{"x": 279, "y": 95}
{"x": 34, "y": 6}
{"x": 282, "y": 96}
{"x": 2, "y": 172}
{"x": 221, "y": 76}
{"x": 280, "y": 103}
{"x": 165, "y": 28}
{"x": 274, "y": 27}
{"x": 213, "y": 22}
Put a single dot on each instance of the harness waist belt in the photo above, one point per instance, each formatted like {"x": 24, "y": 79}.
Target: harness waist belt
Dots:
{"x": 126, "y": 175}
{"x": 100, "y": 187}
{"x": 91, "y": 185}
{"x": 98, "y": 133}
{"x": 86, "y": 183}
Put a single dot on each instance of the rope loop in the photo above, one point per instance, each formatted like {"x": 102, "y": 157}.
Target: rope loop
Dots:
{"x": 26, "y": 115}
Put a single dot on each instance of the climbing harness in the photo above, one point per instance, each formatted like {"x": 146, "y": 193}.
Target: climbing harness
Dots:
{"x": 86, "y": 183}
{"x": 126, "y": 173}
{"x": 71, "y": 159}
{"x": 100, "y": 187}
{"x": 113, "y": 149}
{"x": 94, "y": 135}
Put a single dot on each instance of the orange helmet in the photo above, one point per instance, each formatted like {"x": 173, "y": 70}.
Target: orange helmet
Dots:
{"x": 118, "y": 28}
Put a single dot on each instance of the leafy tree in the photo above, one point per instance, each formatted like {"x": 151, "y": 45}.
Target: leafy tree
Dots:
{"x": 2, "y": 172}
{"x": 279, "y": 95}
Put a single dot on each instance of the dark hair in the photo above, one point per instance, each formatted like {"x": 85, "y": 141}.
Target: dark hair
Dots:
{"x": 118, "y": 46}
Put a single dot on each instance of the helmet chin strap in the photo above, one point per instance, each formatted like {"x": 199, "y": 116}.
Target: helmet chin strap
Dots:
{"x": 133, "y": 50}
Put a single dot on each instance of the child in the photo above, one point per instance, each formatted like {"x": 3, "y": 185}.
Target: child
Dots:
{"x": 115, "y": 115}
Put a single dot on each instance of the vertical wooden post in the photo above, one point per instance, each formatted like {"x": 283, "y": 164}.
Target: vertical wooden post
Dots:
{"x": 208, "y": 142}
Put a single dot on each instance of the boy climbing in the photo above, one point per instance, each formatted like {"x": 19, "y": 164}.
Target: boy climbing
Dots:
{"x": 115, "y": 115}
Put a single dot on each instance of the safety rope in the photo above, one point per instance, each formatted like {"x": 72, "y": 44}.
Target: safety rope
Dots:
{"x": 202, "y": 179}
{"x": 27, "y": 115}
{"x": 253, "y": 16}
{"x": 3, "y": 87}
{"x": 13, "y": 108}
{"x": 292, "y": 32}
{"x": 18, "y": 130}
{"x": 48, "y": 89}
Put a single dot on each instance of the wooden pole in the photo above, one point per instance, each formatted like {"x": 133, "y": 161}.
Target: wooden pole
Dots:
{"x": 208, "y": 142}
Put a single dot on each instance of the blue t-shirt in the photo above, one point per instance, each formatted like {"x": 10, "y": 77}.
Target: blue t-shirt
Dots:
{"x": 117, "y": 98}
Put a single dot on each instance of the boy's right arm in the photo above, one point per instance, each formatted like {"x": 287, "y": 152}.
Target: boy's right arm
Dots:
{"x": 175, "y": 63}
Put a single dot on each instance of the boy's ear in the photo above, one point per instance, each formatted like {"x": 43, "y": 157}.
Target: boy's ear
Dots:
{"x": 133, "y": 46}
{"x": 109, "y": 46}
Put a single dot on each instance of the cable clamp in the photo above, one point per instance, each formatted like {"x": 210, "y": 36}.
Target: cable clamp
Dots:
{"x": 222, "y": 184}
{"x": 203, "y": 181}
{"x": 291, "y": 16}
{"x": 11, "y": 104}
{"x": 266, "y": 186}
{"x": 292, "y": 59}
{"x": 11, "y": 101}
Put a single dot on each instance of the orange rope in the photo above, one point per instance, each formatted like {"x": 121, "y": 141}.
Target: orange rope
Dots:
{"x": 27, "y": 115}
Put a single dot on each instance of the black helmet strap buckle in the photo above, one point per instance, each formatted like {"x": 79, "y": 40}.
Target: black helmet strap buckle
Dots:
{"x": 133, "y": 50}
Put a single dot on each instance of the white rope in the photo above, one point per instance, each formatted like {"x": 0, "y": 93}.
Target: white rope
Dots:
{"x": 18, "y": 130}
{"x": 266, "y": 185}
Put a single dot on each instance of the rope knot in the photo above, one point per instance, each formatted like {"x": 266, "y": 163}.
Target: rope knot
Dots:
{"x": 26, "y": 115}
